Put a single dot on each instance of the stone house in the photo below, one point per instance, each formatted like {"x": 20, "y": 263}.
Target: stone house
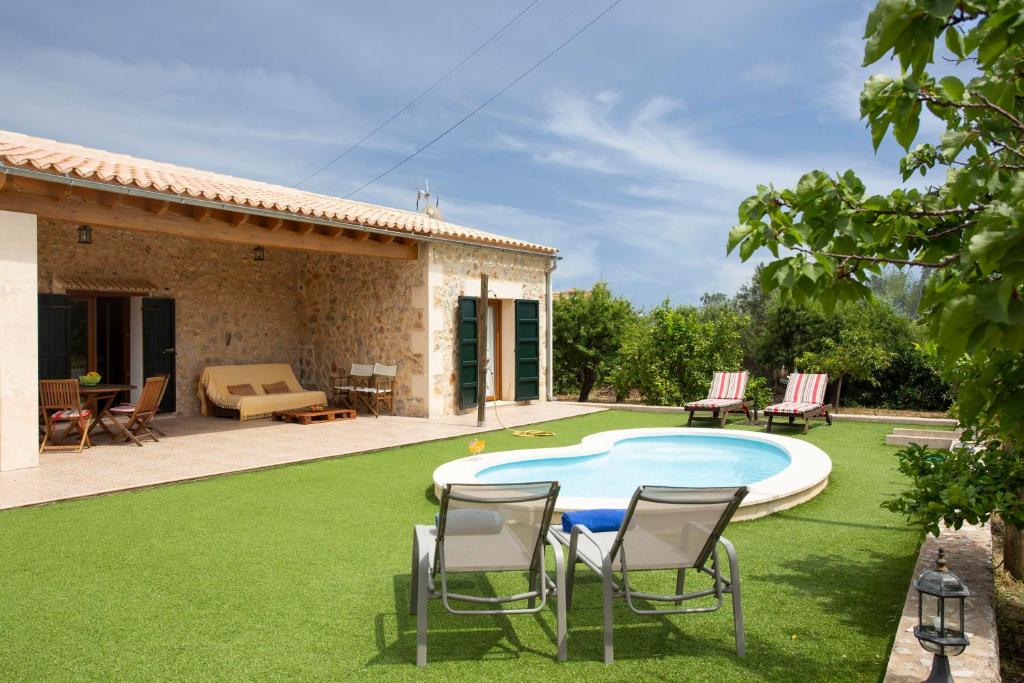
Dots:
{"x": 133, "y": 267}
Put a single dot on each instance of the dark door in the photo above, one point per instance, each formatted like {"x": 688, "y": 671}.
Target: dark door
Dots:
{"x": 527, "y": 350}
{"x": 467, "y": 377}
{"x": 54, "y": 336}
{"x": 158, "y": 345}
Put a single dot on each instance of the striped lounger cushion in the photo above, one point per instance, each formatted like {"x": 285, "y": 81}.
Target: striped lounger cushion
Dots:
{"x": 727, "y": 388}
{"x": 803, "y": 393}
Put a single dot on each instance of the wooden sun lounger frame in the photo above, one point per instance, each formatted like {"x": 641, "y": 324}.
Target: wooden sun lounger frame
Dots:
{"x": 821, "y": 411}
{"x": 739, "y": 406}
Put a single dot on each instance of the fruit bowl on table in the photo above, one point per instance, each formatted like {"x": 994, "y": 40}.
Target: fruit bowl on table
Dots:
{"x": 89, "y": 380}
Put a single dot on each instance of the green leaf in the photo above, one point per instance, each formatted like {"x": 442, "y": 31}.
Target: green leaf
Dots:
{"x": 953, "y": 88}
{"x": 953, "y": 143}
{"x": 955, "y": 42}
{"x": 940, "y": 9}
{"x": 905, "y": 127}
{"x": 737, "y": 234}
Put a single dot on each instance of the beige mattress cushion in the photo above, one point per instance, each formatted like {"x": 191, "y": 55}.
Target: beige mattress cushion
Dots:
{"x": 215, "y": 380}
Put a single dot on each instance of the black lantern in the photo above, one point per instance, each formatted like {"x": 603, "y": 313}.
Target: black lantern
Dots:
{"x": 258, "y": 254}
{"x": 84, "y": 234}
{"x": 940, "y": 616}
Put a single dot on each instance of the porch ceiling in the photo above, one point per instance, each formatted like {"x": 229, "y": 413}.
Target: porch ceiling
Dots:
{"x": 91, "y": 204}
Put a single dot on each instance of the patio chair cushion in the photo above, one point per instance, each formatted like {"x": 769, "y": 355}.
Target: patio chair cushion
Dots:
{"x": 792, "y": 407}
{"x": 602, "y": 519}
{"x": 241, "y": 390}
{"x": 215, "y": 380}
{"x": 276, "y": 388}
{"x": 71, "y": 414}
{"x": 805, "y": 388}
{"x": 126, "y": 409}
{"x": 728, "y": 385}
{"x": 713, "y": 403}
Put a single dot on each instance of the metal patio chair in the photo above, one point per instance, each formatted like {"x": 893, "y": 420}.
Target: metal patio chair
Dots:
{"x": 359, "y": 375}
{"x": 665, "y": 528}
{"x": 488, "y": 528}
{"x": 61, "y": 403}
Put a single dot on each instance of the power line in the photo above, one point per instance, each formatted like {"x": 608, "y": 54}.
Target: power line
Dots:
{"x": 497, "y": 34}
{"x": 486, "y": 102}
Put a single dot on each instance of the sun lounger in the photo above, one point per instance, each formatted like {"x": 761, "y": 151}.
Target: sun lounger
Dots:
{"x": 726, "y": 395}
{"x": 664, "y": 528}
{"x": 805, "y": 397}
{"x": 488, "y": 528}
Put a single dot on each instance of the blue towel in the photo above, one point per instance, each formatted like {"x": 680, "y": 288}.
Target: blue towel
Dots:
{"x": 595, "y": 520}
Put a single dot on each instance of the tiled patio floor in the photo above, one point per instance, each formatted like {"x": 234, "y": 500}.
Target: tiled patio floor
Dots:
{"x": 198, "y": 447}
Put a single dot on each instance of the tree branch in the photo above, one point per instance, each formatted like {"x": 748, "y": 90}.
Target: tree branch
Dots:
{"x": 944, "y": 263}
{"x": 986, "y": 104}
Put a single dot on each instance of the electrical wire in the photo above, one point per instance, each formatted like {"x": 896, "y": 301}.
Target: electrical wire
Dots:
{"x": 451, "y": 72}
{"x": 486, "y": 102}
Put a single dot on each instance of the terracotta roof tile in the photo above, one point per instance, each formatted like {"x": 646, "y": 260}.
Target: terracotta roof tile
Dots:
{"x": 61, "y": 158}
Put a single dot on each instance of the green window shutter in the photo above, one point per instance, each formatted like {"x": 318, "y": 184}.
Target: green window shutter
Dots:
{"x": 467, "y": 378}
{"x": 527, "y": 350}
{"x": 54, "y": 336}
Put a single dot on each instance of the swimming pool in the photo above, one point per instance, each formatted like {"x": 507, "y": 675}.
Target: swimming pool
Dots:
{"x": 605, "y": 468}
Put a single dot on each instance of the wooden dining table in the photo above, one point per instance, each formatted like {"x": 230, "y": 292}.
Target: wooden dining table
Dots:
{"x": 99, "y": 398}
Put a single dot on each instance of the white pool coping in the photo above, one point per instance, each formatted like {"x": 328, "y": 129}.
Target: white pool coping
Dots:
{"x": 805, "y": 477}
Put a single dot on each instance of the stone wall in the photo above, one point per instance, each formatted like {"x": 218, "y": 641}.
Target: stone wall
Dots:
{"x": 454, "y": 271}
{"x": 362, "y": 310}
{"x": 319, "y": 312}
{"x": 229, "y": 308}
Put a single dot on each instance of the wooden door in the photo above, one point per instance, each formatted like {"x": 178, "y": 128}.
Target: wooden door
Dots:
{"x": 493, "y": 350}
{"x": 158, "y": 346}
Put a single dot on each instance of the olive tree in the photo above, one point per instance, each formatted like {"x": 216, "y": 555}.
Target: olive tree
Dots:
{"x": 588, "y": 329}
{"x": 830, "y": 236}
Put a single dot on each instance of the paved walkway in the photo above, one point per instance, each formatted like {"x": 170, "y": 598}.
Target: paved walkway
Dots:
{"x": 969, "y": 556}
{"x": 197, "y": 447}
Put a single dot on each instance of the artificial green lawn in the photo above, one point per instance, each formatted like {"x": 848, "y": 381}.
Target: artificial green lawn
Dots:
{"x": 301, "y": 572}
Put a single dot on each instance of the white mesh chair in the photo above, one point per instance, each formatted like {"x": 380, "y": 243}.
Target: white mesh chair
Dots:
{"x": 488, "y": 528}
{"x": 359, "y": 375}
{"x": 379, "y": 390}
{"x": 727, "y": 394}
{"x": 805, "y": 397}
{"x": 665, "y": 528}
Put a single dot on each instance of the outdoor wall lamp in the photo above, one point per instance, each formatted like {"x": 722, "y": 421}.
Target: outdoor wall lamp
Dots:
{"x": 940, "y": 617}
{"x": 84, "y": 234}
{"x": 258, "y": 254}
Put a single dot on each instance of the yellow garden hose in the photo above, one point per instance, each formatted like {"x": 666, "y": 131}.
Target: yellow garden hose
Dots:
{"x": 520, "y": 432}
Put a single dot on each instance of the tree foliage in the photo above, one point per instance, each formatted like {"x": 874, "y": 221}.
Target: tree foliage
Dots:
{"x": 588, "y": 329}
{"x": 856, "y": 353}
{"x": 671, "y": 355}
{"x": 966, "y": 229}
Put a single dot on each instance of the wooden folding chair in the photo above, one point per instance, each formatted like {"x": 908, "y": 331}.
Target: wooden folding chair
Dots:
{"x": 60, "y": 402}
{"x": 380, "y": 391}
{"x": 128, "y": 408}
{"x": 136, "y": 424}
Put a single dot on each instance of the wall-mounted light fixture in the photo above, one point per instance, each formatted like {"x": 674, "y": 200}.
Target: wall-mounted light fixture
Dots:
{"x": 84, "y": 234}
{"x": 258, "y": 254}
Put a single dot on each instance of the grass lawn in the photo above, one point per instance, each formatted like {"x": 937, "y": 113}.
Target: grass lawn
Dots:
{"x": 301, "y": 572}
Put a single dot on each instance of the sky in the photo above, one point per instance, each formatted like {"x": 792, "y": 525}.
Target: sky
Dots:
{"x": 629, "y": 150}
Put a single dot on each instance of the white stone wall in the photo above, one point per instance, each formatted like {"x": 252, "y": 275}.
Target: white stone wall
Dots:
{"x": 19, "y": 389}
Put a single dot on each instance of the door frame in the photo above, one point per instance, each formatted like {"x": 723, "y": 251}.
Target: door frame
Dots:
{"x": 92, "y": 327}
{"x": 495, "y": 305}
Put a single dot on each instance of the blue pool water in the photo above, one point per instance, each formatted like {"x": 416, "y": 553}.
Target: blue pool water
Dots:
{"x": 676, "y": 460}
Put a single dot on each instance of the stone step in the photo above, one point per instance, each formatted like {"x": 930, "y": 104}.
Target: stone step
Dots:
{"x": 941, "y": 433}
{"x": 943, "y": 442}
